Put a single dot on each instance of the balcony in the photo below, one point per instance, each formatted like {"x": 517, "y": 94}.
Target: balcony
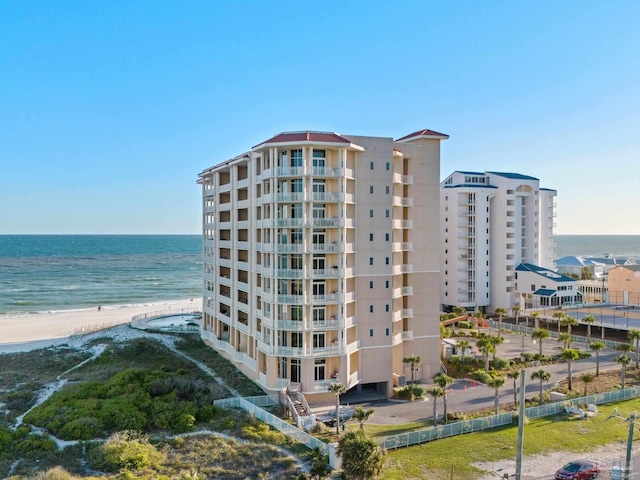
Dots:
{"x": 289, "y": 222}
{"x": 291, "y": 299}
{"x": 325, "y": 222}
{"x": 407, "y": 179}
{"x": 326, "y": 197}
{"x": 397, "y": 293}
{"x": 328, "y": 298}
{"x": 396, "y": 339}
{"x": 407, "y": 291}
{"x": 407, "y": 313}
{"x": 289, "y": 171}
{"x": 289, "y": 248}
{"x": 326, "y": 273}
{"x": 293, "y": 325}
{"x": 290, "y": 197}
{"x": 224, "y": 262}
{"x": 349, "y": 322}
{"x": 325, "y": 247}
{"x": 325, "y": 171}
{"x": 330, "y": 323}
{"x": 290, "y": 273}
{"x": 352, "y": 347}
{"x": 407, "y": 335}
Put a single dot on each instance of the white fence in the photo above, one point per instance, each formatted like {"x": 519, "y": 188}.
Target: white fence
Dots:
{"x": 486, "y": 423}
{"x": 253, "y": 406}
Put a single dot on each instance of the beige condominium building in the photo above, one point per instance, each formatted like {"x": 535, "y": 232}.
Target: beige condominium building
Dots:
{"x": 322, "y": 260}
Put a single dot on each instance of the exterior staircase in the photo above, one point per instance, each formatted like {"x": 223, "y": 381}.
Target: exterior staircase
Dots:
{"x": 298, "y": 407}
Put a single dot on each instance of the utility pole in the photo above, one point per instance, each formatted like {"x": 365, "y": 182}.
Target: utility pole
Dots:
{"x": 632, "y": 424}
{"x": 627, "y": 463}
{"x": 520, "y": 427}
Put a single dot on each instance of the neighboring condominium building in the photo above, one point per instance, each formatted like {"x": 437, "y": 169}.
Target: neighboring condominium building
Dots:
{"x": 492, "y": 222}
{"x": 321, "y": 259}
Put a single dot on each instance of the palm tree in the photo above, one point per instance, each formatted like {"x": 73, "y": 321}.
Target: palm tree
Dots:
{"x": 435, "y": 392}
{"x": 536, "y": 322}
{"x": 462, "y": 346}
{"x": 558, "y": 316}
{"x": 586, "y": 378}
{"x": 516, "y": 313}
{"x": 514, "y": 375}
{"x": 597, "y": 346}
{"x": 589, "y": 320}
{"x": 570, "y": 354}
{"x": 361, "y": 415}
{"x": 337, "y": 388}
{"x": 486, "y": 347}
{"x": 565, "y": 338}
{"x": 634, "y": 336}
{"x": 568, "y": 322}
{"x": 500, "y": 311}
{"x": 496, "y": 383}
{"x": 543, "y": 376}
{"x": 623, "y": 360}
{"x": 540, "y": 334}
{"x": 443, "y": 382}
{"x": 496, "y": 340}
{"x": 414, "y": 361}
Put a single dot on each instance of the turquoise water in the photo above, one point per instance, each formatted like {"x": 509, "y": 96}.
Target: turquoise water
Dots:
{"x": 40, "y": 273}
{"x": 598, "y": 245}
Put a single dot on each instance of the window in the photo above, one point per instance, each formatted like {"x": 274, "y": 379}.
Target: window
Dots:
{"x": 320, "y": 369}
{"x": 388, "y": 166}
{"x": 370, "y": 165}
{"x": 386, "y": 331}
{"x": 386, "y": 308}
{"x": 533, "y": 288}
{"x": 371, "y": 237}
{"x": 386, "y": 261}
{"x": 387, "y": 214}
{"x": 319, "y": 340}
{"x": 386, "y": 284}
{"x": 370, "y": 260}
{"x": 371, "y": 332}
{"x": 387, "y": 190}
{"x": 386, "y": 237}
{"x": 371, "y": 189}
{"x": 296, "y": 158}
{"x": 371, "y": 213}
{"x": 296, "y": 339}
{"x": 370, "y": 308}
{"x": 371, "y": 284}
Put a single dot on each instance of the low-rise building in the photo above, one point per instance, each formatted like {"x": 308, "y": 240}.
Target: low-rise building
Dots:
{"x": 538, "y": 287}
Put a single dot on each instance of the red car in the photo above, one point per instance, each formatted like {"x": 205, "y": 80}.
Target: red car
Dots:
{"x": 578, "y": 470}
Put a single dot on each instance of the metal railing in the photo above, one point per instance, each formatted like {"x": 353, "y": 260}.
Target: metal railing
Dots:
{"x": 253, "y": 406}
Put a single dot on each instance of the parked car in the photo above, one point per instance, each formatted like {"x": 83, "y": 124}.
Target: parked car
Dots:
{"x": 578, "y": 470}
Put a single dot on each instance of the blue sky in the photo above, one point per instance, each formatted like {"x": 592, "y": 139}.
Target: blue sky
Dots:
{"x": 109, "y": 110}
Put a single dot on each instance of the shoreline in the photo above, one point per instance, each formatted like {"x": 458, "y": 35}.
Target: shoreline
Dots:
{"x": 41, "y": 330}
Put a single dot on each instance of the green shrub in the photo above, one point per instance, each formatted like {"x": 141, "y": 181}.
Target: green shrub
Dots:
{"x": 130, "y": 450}
{"x": 480, "y": 376}
{"x": 19, "y": 401}
{"x": 206, "y": 413}
{"x": 527, "y": 357}
{"x": 83, "y": 428}
{"x": 32, "y": 446}
{"x": 184, "y": 423}
{"x": 500, "y": 363}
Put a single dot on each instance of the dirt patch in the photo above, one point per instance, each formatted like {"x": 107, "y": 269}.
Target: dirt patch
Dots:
{"x": 604, "y": 382}
{"x": 543, "y": 466}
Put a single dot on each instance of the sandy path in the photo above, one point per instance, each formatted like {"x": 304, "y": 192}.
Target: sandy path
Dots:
{"x": 23, "y": 333}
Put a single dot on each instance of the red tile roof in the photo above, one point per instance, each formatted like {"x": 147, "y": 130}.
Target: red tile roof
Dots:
{"x": 315, "y": 137}
{"x": 423, "y": 133}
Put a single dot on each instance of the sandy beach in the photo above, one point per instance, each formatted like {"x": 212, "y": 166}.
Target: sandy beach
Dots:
{"x": 22, "y": 333}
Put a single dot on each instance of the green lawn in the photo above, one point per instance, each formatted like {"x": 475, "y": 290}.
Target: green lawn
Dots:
{"x": 434, "y": 460}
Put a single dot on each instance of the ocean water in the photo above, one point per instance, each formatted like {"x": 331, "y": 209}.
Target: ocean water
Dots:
{"x": 598, "y": 245}
{"x": 43, "y": 273}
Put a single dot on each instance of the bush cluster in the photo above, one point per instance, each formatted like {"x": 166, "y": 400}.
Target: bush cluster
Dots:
{"x": 131, "y": 400}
